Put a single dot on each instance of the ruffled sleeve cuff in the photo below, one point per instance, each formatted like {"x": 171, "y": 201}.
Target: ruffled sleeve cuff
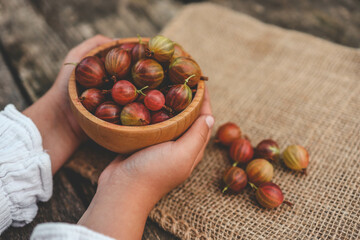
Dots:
{"x": 25, "y": 169}
{"x": 65, "y": 231}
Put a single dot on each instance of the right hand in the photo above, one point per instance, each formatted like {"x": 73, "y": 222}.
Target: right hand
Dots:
{"x": 129, "y": 189}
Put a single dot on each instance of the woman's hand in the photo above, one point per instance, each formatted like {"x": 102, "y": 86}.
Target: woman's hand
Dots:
{"x": 52, "y": 115}
{"x": 129, "y": 189}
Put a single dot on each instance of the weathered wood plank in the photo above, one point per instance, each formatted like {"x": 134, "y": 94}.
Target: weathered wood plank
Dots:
{"x": 34, "y": 49}
{"x": 9, "y": 92}
{"x": 38, "y": 43}
{"x": 74, "y": 23}
{"x": 337, "y": 21}
{"x": 64, "y": 206}
{"x": 90, "y": 160}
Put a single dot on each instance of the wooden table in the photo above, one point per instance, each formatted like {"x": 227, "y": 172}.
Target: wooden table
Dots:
{"x": 35, "y": 36}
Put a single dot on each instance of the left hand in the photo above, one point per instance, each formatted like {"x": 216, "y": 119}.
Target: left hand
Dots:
{"x": 60, "y": 132}
{"x": 60, "y": 86}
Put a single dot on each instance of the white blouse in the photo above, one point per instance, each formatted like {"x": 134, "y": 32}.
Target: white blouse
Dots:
{"x": 25, "y": 179}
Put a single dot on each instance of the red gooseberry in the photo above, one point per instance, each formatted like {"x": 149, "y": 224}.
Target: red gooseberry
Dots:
{"x": 227, "y": 133}
{"x": 159, "y": 116}
{"x": 138, "y": 51}
{"x": 117, "y": 63}
{"x": 154, "y": 100}
{"x": 127, "y": 46}
{"x": 235, "y": 178}
{"x": 92, "y": 98}
{"x": 269, "y": 195}
{"x": 108, "y": 111}
{"x": 181, "y": 68}
{"x": 135, "y": 114}
{"x": 268, "y": 149}
{"x": 90, "y": 72}
{"x": 241, "y": 151}
{"x": 124, "y": 92}
{"x": 179, "y": 96}
{"x": 147, "y": 72}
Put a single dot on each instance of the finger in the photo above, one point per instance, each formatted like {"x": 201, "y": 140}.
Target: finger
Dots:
{"x": 119, "y": 158}
{"x": 196, "y": 137}
{"x": 206, "y": 105}
{"x": 205, "y": 110}
{"x": 114, "y": 163}
{"x": 201, "y": 153}
{"x": 79, "y": 51}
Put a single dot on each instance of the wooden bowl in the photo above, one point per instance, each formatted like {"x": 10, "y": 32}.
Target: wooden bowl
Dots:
{"x": 127, "y": 139}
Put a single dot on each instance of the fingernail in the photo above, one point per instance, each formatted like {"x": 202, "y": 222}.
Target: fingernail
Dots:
{"x": 210, "y": 121}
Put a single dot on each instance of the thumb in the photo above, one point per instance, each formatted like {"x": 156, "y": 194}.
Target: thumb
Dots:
{"x": 194, "y": 140}
{"x": 77, "y": 53}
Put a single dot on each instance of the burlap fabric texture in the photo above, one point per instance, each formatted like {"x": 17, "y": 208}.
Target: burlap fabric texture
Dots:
{"x": 280, "y": 84}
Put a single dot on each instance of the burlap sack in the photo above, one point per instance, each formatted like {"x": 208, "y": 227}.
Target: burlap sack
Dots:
{"x": 280, "y": 84}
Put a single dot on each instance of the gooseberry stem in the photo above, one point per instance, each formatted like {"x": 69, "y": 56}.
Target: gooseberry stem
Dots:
{"x": 148, "y": 53}
{"x": 168, "y": 109}
{"x": 225, "y": 188}
{"x": 247, "y": 137}
{"x": 113, "y": 78}
{"x": 235, "y": 164}
{"x": 187, "y": 80}
{"x": 204, "y": 78}
{"x": 288, "y": 203}
{"x": 140, "y": 39}
{"x": 71, "y": 63}
{"x": 253, "y": 186}
{"x": 140, "y": 91}
{"x": 105, "y": 91}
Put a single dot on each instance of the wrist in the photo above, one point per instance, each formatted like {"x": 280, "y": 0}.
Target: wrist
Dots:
{"x": 119, "y": 209}
{"x": 58, "y": 138}
{"x": 116, "y": 182}
{"x": 61, "y": 106}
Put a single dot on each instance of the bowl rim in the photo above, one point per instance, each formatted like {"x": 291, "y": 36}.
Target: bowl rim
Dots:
{"x": 74, "y": 98}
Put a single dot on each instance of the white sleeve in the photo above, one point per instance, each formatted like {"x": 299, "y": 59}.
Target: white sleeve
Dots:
{"x": 65, "y": 231}
{"x": 25, "y": 169}
{"x": 25, "y": 179}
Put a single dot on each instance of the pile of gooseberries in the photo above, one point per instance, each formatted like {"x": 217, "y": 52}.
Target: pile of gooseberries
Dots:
{"x": 254, "y": 166}
{"x": 138, "y": 83}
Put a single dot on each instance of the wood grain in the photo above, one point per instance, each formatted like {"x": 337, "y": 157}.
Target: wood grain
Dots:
{"x": 42, "y": 32}
{"x": 9, "y": 92}
{"x": 39, "y": 32}
{"x": 64, "y": 206}
{"x": 36, "y": 51}
{"x": 337, "y": 21}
